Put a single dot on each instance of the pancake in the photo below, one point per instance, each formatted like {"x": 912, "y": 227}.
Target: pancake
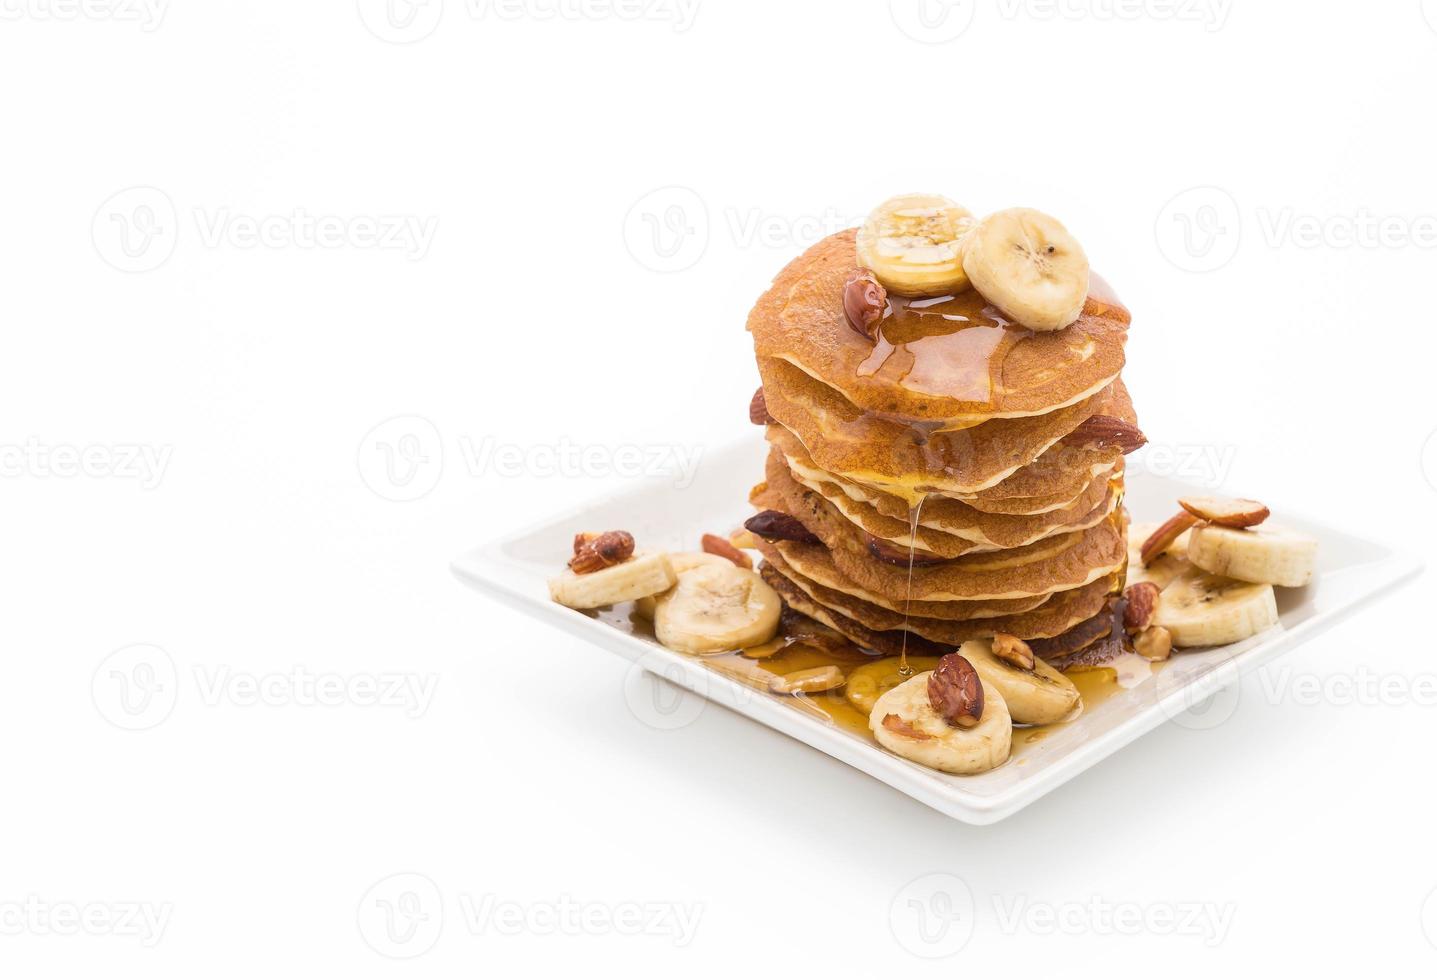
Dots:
{"x": 846, "y": 440}
{"x": 969, "y": 511}
{"x": 955, "y": 363}
{"x": 945, "y": 527}
{"x": 1053, "y": 618}
{"x": 890, "y": 643}
{"x": 813, "y": 564}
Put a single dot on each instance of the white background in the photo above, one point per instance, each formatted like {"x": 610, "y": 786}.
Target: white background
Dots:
{"x": 264, "y": 545}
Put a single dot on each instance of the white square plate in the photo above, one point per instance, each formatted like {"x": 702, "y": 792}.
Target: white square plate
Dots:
{"x": 515, "y": 569}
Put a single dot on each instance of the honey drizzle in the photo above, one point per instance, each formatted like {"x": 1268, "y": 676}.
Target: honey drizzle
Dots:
{"x": 914, "y": 513}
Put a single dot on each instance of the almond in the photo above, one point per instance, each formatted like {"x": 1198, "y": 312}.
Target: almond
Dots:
{"x": 1227, "y": 511}
{"x": 956, "y": 692}
{"x": 1154, "y": 643}
{"x": 1013, "y": 651}
{"x": 758, "y": 410}
{"x": 716, "y": 545}
{"x": 1162, "y": 539}
{"x": 1142, "y": 606}
{"x": 864, "y": 301}
{"x": 898, "y": 726}
{"x": 1102, "y": 431}
{"x": 892, "y": 554}
{"x": 775, "y": 525}
{"x": 593, "y": 552}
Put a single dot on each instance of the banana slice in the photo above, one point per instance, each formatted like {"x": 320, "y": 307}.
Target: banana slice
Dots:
{"x": 931, "y": 741}
{"x": 641, "y": 575}
{"x": 680, "y": 561}
{"x": 1204, "y": 610}
{"x": 716, "y": 607}
{"x": 1267, "y": 554}
{"x": 1040, "y": 696}
{"x": 1026, "y": 264}
{"x": 913, "y": 244}
{"x": 868, "y": 682}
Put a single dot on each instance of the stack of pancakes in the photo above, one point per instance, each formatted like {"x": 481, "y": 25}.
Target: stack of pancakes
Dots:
{"x": 954, "y": 475}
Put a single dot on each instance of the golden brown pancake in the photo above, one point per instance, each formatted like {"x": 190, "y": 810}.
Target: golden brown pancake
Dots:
{"x": 954, "y": 362}
{"x": 814, "y": 564}
{"x": 890, "y": 643}
{"x": 848, "y": 441}
{"x": 1053, "y": 618}
{"x": 1076, "y": 496}
{"x": 937, "y": 532}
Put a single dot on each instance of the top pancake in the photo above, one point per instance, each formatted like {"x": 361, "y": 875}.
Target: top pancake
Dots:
{"x": 957, "y": 362}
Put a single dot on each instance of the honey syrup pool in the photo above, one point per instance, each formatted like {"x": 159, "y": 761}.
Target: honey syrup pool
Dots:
{"x": 867, "y": 676}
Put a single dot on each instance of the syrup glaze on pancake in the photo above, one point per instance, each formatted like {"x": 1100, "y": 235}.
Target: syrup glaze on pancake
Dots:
{"x": 844, "y": 439}
{"x": 940, "y": 513}
{"x": 954, "y": 361}
{"x": 927, "y": 534}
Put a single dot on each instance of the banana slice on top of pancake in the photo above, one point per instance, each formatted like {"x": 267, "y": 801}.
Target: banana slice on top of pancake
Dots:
{"x": 913, "y": 244}
{"x": 1027, "y": 264}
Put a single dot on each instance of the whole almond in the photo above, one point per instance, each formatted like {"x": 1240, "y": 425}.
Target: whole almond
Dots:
{"x": 1142, "y": 606}
{"x": 758, "y": 410}
{"x": 775, "y": 525}
{"x": 1162, "y": 539}
{"x": 864, "y": 301}
{"x": 1102, "y": 431}
{"x": 715, "y": 545}
{"x": 956, "y": 692}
